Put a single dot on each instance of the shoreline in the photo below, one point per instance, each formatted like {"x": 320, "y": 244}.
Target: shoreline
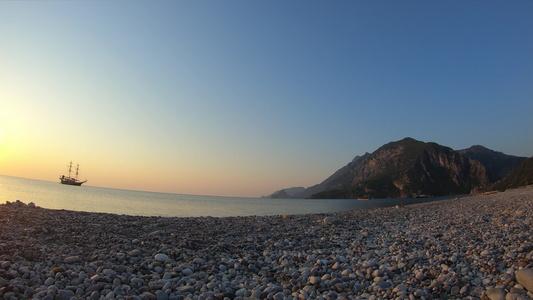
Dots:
{"x": 457, "y": 248}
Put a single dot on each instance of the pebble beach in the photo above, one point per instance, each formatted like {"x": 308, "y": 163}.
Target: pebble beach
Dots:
{"x": 475, "y": 247}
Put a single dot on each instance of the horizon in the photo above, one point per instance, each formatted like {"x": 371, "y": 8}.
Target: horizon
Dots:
{"x": 229, "y": 196}
{"x": 242, "y": 99}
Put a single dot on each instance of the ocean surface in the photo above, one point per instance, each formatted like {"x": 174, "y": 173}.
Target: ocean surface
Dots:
{"x": 138, "y": 203}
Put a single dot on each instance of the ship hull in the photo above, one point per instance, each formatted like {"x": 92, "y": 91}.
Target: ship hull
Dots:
{"x": 71, "y": 181}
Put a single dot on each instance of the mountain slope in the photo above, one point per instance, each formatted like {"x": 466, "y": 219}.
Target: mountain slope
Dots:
{"x": 407, "y": 168}
{"x": 523, "y": 175}
{"x": 287, "y": 193}
{"x": 498, "y": 164}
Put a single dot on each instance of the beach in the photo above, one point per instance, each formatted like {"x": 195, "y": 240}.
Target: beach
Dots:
{"x": 475, "y": 247}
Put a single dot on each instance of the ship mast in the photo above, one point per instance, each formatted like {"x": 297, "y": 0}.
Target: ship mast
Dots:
{"x": 70, "y": 169}
{"x": 77, "y": 169}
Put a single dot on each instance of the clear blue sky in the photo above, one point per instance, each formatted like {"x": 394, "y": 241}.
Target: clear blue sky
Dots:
{"x": 243, "y": 98}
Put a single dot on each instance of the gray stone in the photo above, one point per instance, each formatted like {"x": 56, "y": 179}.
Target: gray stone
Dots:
{"x": 161, "y": 257}
{"x": 3, "y": 282}
{"x": 109, "y": 272}
{"x": 49, "y": 281}
{"x": 383, "y": 284}
{"x": 187, "y": 272}
{"x": 454, "y": 290}
{"x": 65, "y": 294}
{"x": 93, "y": 288}
{"x": 400, "y": 288}
{"x": 160, "y": 295}
{"x": 476, "y": 291}
{"x": 420, "y": 275}
{"x": 420, "y": 293}
{"x": 256, "y": 293}
{"x": 147, "y": 296}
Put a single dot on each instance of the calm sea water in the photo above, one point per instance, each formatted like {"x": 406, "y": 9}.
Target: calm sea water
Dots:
{"x": 94, "y": 199}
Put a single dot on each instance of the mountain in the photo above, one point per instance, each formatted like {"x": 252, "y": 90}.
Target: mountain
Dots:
{"x": 408, "y": 168}
{"x": 287, "y": 193}
{"x": 523, "y": 175}
{"x": 498, "y": 165}
{"x": 302, "y": 193}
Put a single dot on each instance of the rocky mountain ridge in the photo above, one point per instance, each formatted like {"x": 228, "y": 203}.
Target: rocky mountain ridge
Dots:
{"x": 410, "y": 168}
{"x": 521, "y": 176}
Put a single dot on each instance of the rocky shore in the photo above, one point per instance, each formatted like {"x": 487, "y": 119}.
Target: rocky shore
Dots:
{"x": 478, "y": 247}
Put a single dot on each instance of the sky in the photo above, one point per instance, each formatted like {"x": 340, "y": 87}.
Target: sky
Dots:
{"x": 243, "y": 98}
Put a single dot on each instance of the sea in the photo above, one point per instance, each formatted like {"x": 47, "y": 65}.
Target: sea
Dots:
{"x": 54, "y": 195}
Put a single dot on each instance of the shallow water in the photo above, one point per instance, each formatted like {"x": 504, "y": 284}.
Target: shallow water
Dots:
{"x": 138, "y": 203}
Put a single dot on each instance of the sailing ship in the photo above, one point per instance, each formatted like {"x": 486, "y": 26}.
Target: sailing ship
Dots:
{"x": 72, "y": 180}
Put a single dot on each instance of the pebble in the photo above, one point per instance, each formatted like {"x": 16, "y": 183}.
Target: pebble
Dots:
{"x": 72, "y": 259}
{"x": 330, "y": 220}
{"x": 49, "y": 281}
{"x": 314, "y": 280}
{"x": 161, "y": 257}
{"x": 469, "y": 250}
{"x": 525, "y": 278}
{"x": 187, "y": 272}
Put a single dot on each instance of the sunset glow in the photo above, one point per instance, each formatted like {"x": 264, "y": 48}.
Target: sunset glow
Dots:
{"x": 245, "y": 98}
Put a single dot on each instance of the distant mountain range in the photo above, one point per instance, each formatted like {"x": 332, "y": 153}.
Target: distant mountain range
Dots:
{"x": 411, "y": 168}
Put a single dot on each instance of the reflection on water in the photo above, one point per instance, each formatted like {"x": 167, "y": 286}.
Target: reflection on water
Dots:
{"x": 93, "y": 199}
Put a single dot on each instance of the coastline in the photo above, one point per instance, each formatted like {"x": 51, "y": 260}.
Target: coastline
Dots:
{"x": 459, "y": 248}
